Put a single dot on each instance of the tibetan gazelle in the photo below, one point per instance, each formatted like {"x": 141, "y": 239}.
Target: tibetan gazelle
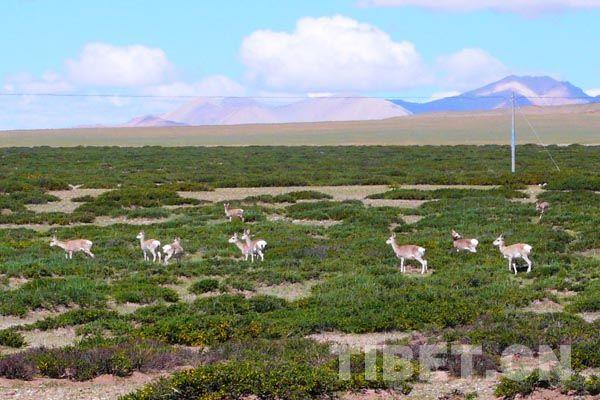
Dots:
{"x": 408, "y": 252}
{"x": 463, "y": 244}
{"x": 151, "y": 246}
{"x": 514, "y": 251}
{"x": 73, "y": 246}
{"x": 173, "y": 250}
{"x": 232, "y": 213}
{"x": 257, "y": 246}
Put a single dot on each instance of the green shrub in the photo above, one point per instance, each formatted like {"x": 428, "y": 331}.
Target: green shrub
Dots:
{"x": 204, "y": 285}
{"x": 11, "y": 338}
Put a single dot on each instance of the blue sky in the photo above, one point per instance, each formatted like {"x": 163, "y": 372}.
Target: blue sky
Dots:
{"x": 392, "y": 47}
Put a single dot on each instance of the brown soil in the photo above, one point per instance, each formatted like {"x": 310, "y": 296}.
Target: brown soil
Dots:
{"x": 339, "y": 193}
{"x": 65, "y": 204}
{"x": 394, "y": 203}
{"x": 543, "y": 306}
{"x": 412, "y": 219}
{"x": 358, "y": 341}
{"x": 590, "y": 316}
{"x": 593, "y": 253}
{"x": 7, "y": 321}
{"x": 104, "y": 387}
{"x": 532, "y": 191}
{"x": 289, "y": 291}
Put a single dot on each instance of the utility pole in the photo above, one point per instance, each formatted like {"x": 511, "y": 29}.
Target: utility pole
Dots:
{"x": 513, "y": 137}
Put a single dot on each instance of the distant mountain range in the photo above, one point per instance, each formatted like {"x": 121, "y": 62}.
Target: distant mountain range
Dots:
{"x": 530, "y": 90}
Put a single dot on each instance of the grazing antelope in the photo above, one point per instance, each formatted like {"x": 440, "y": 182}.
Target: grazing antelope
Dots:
{"x": 73, "y": 246}
{"x": 232, "y": 213}
{"x": 173, "y": 250}
{"x": 408, "y": 252}
{"x": 151, "y": 246}
{"x": 514, "y": 251}
{"x": 463, "y": 244}
{"x": 542, "y": 207}
{"x": 256, "y": 246}
{"x": 241, "y": 245}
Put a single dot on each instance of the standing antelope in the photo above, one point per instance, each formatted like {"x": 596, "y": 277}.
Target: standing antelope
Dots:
{"x": 151, "y": 246}
{"x": 232, "y": 213}
{"x": 173, "y": 250}
{"x": 408, "y": 252}
{"x": 241, "y": 245}
{"x": 518, "y": 250}
{"x": 463, "y": 244}
{"x": 256, "y": 246}
{"x": 73, "y": 246}
{"x": 542, "y": 208}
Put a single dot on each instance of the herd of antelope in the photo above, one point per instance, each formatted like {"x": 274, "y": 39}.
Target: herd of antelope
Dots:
{"x": 256, "y": 247}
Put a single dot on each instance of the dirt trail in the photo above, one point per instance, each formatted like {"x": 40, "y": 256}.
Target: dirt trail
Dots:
{"x": 339, "y": 193}
{"x": 104, "y": 387}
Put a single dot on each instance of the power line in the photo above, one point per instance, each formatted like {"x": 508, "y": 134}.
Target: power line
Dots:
{"x": 151, "y": 96}
{"x": 538, "y": 138}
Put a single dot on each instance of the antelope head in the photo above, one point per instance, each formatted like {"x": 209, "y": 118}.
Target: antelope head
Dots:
{"x": 391, "y": 239}
{"x": 140, "y": 235}
{"x": 455, "y": 235}
{"x": 54, "y": 241}
{"x": 234, "y": 238}
{"x": 246, "y": 234}
{"x": 499, "y": 241}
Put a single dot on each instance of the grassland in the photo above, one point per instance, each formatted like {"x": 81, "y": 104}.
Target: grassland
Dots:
{"x": 254, "y": 321}
{"x": 556, "y": 125}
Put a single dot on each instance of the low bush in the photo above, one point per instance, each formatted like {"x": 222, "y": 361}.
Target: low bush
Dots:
{"x": 84, "y": 363}
{"x": 292, "y": 370}
{"x": 142, "y": 291}
{"x": 11, "y": 338}
{"x": 204, "y": 285}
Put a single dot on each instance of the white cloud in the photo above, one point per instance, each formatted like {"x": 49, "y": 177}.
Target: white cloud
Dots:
{"x": 49, "y": 82}
{"x": 101, "y": 64}
{"x": 214, "y": 85}
{"x": 331, "y": 54}
{"x": 593, "y": 92}
{"x": 527, "y": 7}
{"x": 469, "y": 68}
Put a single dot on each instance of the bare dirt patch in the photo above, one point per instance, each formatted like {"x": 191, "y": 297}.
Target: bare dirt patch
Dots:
{"x": 51, "y": 338}
{"x": 543, "y": 306}
{"x": 289, "y": 291}
{"x": 593, "y": 253}
{"x": 12, "y": 282}
{"x": 7, "y": 321}
{"x": 339, "y": 193}
{"x": 532, "y": 192}
{"x": 412, "y": 219}
{"x": 563, "y": 294}
{"x": 182, "y": 288}
{"x": 590, "y": 316}
{"x": 65, "y": 204}
{"x": 326, "y": 223}
{"x": 394, "y": 203}
{"x": 358, "y": 340}
{"x": 104, "y": 387}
